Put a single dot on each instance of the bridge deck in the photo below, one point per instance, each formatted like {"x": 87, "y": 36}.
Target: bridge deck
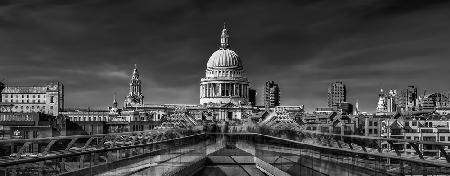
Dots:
{"x": 154, "y": 153}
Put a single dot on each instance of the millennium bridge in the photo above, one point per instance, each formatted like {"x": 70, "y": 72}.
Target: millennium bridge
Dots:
{"x": 199, "y": 152}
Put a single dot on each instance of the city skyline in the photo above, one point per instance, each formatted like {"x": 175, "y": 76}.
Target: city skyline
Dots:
{"x": 387, "y": 46}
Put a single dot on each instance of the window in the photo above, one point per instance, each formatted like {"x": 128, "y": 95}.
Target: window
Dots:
{"x": 39, "y": 101}
{"x": 370, "y": 131}
{"x": 51, "y": 99}
{"x": 427, "y": 130}
{"x": 28, "y": 96}
{"x": 414, "y": 123}
{"x": 39, "y": 96}
{"x": 442, "y": 138}
{"x": 34, "y": 96}
{"x": 408, "y": 137}
{"x": 370, "y": 123}
{"x": 375, "y": 123}
{"x": 429, "y": 138}
{"x": 375, "y": 131}
{"x": 51, "y": 107}
{"x": 448, "y": 138}
{"x": 22, "y": 96}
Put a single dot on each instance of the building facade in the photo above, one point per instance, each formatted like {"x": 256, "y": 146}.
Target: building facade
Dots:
{"x": 48, "y": 98}
{"x": 271, "y": 95}
{"x": 422, "y": 129}
{"x": 337, "y": 94}
{"x": 407, "y": 100}
{"x": 224, "y": 80}
{"x": 387, "y": 102}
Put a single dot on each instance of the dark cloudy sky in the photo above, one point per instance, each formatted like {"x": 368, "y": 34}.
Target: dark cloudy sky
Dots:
{"x": 92, "y": 45}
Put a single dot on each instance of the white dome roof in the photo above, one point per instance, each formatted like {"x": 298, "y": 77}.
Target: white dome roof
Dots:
{"x": 225, "y": 58}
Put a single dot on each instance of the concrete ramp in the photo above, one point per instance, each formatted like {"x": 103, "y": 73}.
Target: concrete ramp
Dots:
{"x": 269, "y": 118}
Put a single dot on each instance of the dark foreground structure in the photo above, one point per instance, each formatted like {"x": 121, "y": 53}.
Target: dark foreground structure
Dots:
{"x": 186, "y": 152}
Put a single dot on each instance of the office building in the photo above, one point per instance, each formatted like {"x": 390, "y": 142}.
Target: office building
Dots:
{"x": 271, "y": 95}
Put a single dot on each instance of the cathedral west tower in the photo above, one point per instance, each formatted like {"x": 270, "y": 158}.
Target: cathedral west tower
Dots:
{"x": 135, "y": 97}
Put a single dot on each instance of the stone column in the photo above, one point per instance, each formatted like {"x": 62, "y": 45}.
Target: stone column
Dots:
{"x": 240, "y": 90}
{"x": 213, "y": 89}
{"x": 220, "y": 89}
{"x": 226, "y": 89}
{"x": 234, "y": 89}
{"x": 207, "y": 90}
{"x": 201, "y": 90}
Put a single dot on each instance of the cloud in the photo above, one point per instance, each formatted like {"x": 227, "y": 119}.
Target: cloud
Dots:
{"x": 92, "y": 45}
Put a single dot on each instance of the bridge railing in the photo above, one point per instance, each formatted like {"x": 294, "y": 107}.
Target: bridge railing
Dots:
{"x": 382, "y": 154}
{"x": 67, "y": 154}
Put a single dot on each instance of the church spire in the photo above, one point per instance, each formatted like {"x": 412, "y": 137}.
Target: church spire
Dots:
{"x": 114, "y": 101}
{"x": 135, "y": 72}
{"x": 224, "y": 38}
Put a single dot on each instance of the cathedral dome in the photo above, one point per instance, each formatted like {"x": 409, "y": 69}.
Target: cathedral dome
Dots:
{"x": 224, "y": 58}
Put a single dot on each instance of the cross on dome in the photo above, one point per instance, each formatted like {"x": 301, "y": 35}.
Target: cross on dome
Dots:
{"x": 224, "y": 38}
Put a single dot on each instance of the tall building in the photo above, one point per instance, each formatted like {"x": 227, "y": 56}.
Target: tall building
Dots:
{"x": 47, "y": 98}
{"x": 386, "y": 102}
{"x": 345, "y": 108}
{"x": 434, "y": 101}
{"x": 337, "y": 94}
{"x": 391, "y": 104}
{"x": 135, "y": 97}
{"x": 224, "y": 80}
{"x": 252, "y": 96}
{"x": 407, "y": 99}
{"x": 271, "y": 95}
{"x": 356, "y": 110}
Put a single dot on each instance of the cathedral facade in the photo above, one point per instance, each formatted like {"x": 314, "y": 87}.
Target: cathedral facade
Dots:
{"x": 224, "y": 90}
{"x": 224, "y": 80}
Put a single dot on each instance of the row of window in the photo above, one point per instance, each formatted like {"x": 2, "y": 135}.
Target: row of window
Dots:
{"x": 428, "y": 138}
{"x": 32, "y": 107}
{"x": 22, "y": 95}
{"x": 5, "y": 96}
{"x": 373, "y": 123}
{"x": 88, "y": 118}
{"x": 22, "y": 101}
